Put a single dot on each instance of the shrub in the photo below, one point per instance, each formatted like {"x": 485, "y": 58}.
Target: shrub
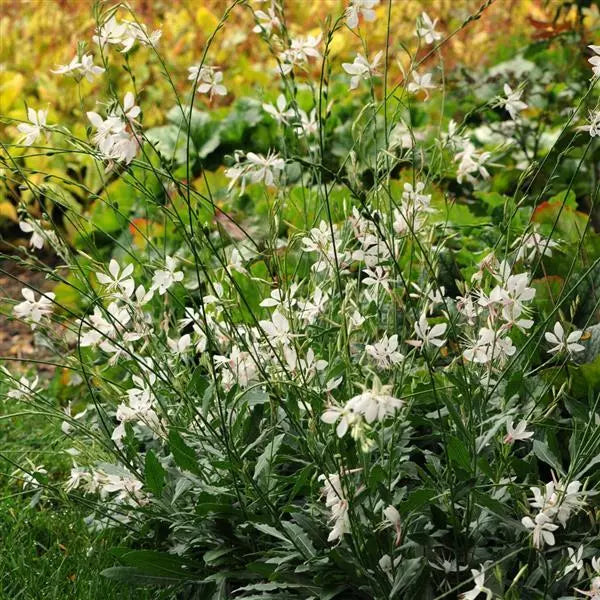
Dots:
{"x": 358, "y": 362}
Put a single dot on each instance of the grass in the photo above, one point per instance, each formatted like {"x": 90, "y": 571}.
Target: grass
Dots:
{"x": 46, "y": 550}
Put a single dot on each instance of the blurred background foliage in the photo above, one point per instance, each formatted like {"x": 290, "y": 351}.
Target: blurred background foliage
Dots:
{"x": 37, "y": 36}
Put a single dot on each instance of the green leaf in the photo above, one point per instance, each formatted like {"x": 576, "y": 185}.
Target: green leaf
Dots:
{"x": 543, "y": 452}
{"x": 171, "y": 142}
{"x": 416, "y": 500}
{"x": 135, "y": 576}
{"x": 265, "y": 460}
{"x": 154, "y": 473}
{"x": 185, "y": 457}
{"x": 300, "y": 538}
{"x": 458, "y": 454}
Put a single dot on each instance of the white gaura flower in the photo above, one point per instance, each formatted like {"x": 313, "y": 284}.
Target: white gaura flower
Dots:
{"x": 542, "y": 529}
{"x": 421, "y": 83}
{"x": 385, "y": 352}
{"x": 267, "y": 21}
{"x": 470, "y": 162}
{"x": 361, "y": 68}
{"x": 594, "y": 592}
{"x": 337, "y": 503}
{"x": 595, "y": 60}
{"x": 428, "y": 335}
{"x": 357, "y": 8}
{"x": 513, "y": 103}
{"x": 130, "y": 110}
{"x": 310, "y": 310}
{"x": 532, "y": 245}
{"x": 393, "y": 518}
{"x": 63, "y": 69}
{"x": 88, "y": 69}
{"x": 32, "y": 310}
{"x": 277, "y": 329}
{"x": 557, "y": 500}
{"x": 118, "y": 280}
{"x": 110, "y": 32}
{"x": 594, "y": 126}
{"x": 489, "y": 346}
{"x": 212, "y": 84}
{"x": 301, "y": 48}
{"x": 575, "y": 561}
{"x": 163, "y": 279}
{"x": 279, "y": 111}
{"x": 478, "y": 587}
{"x": 346, "y": 416}
{"x": 24, "y": 389}
{"x": 517, "y": 433}
{"x": 33, "y": 130}
{"x": 426, "y": 29}
{"x": 378, "y": 277}
{"x": 375, "y": 404}
{"x": 564, "y": 343}
{"x": 33, "y": 227}
{"x": 83, "y": 67}
{"x": 255, "y": 168}
{"x": 181, "y": 345}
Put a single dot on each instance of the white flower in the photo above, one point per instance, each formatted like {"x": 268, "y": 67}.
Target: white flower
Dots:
{"x": 277, "y": 329}
{"x": 479, "y": 587}
{"x": 490, "y": 346}
{"x": 377, "y": 278}
{"x": 385, "y": 352}
{"x": 125, "y": 34}
{"x": 163, "y": 279}
{"x": 301, "y": 48}
{"x": 375, "y": 404}
{"x": 346, "y": 416}
{"x": 594, "y": 127}
{"x": 556, "y": 500}
{"x": 426, "y": 29}
{"x": 361, "y": 68}
{"x": 562, "y": 342}
{"x": 470, "y": 162}
{"x": 209, "y": 80}
{"x": 32, "y": 310}
{"x": 255, "y": 168}
{"x": 360, "y": 7}
{"x": 37, "y": 240}
{"x": 118, "y": 280}
{"x": 575, "y": 560}
{"x": 267, "y": 21}
{"x": 393, "y": 517}
{"x": 421, "y": 82}
{"x": 519, "y": 432}
{"x": 428, "y": 335}
{"x": 278, "y": 111}
{"x": 83, "y": 67}
{"x": 595, "y": 60}
{"x": 72, "y": 66}
{"x": 533, "y": 244}
{"x": 23, "y": 389}
{"x": 130, "y": 110}
{"x": 32, "y": 131}
{"x": 335, "y": 500}
{"x": 310, "y": 310}
{"x": 513, "y": 103}
{"x": 110, "y": 32}
{"x": 88, "y": 69}
{"x": 542, "y": 529}
{"x": 113, "y": 137}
